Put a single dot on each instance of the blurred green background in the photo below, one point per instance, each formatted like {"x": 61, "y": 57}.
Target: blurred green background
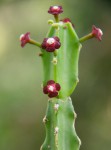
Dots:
{"x": 22, "y": 104}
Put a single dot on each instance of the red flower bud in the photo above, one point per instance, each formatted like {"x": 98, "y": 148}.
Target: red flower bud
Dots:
{"x": 51, "y": 88}
{"x": 97, "y": 33}
{"x": 51, "y": 44}
{"x": 25, "y": 38}
{"x": 65, "y": 20}
{"x": 55, "y": 10}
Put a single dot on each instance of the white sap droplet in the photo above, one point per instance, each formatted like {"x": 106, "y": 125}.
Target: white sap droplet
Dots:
{"x": 44, "y": 119}
{"x": 56, "y": 106}
{"x": 56, "y": 130}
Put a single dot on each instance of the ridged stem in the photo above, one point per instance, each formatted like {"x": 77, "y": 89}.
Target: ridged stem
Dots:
{"x": 59, "y": 122}
{"x": 62, "y": 67}
{"x": 55, "y": 70}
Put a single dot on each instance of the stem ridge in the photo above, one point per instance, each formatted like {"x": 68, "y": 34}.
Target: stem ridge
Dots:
{"x": 60, "y": 130}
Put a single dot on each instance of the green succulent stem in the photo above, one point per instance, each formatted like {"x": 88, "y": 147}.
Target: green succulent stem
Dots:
{"x": 55, "y": 53}
{"x": 62, "y": 67}
{"x": 55, "y": 71}
{"x": 67, "y": 59}
{"x": 59, "y": 123}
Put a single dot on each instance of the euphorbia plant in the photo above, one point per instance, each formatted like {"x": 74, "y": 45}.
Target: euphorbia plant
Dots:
{"x": 60, "y": 53}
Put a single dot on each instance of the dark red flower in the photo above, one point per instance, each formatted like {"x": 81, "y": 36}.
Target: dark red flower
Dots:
{"x": 51, "y": 88}
{"x": 25, "y": 38}
{"x": 51, "y": 44}
{"x": 97, "y": 33}
{"x": 55, "y": 10}
{"x": 65, "y": 20}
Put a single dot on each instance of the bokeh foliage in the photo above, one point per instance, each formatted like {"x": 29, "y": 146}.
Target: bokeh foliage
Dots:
{"x": 22, "y": 104}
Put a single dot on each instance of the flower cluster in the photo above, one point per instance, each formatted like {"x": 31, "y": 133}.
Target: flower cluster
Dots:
{"x": 51, "y": 88}
{"x": 97, "y": 33}
{"x": 25, "y": 38}
{"x": 51, "y": 44}
{"x": 55, "y": 10}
